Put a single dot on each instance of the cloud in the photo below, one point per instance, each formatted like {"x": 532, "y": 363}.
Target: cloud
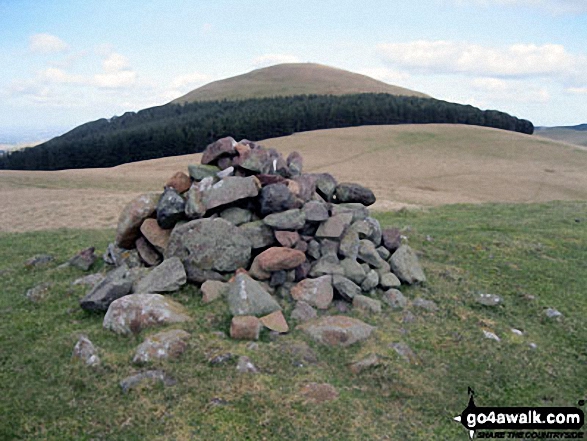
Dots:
{"x": 114, "y": 62}
{"x": 387, "y": 75}
{"x": 518, "y": 90}
{"x": 207, "y": 28}
{"x": 189, "y": 80}
{"x": 46, "y": 43}
{"x": 577, "y": 90}
{"x": 515, "y": 61}
{"x": 271, "y": 59}
{"x": 557, "y": 7}
{"x": 115, "y": 80}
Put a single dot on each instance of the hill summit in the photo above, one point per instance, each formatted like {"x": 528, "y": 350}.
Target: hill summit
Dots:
{"x": 292, "y": 79}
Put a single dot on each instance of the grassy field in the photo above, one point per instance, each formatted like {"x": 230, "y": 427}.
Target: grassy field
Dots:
{"x": 533, "y": 255}
{"x": 564, "y": 134}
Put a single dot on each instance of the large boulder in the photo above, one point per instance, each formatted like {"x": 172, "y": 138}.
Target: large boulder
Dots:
{"x": 230, "y": 189}
{"x": 337, "y": 330}
{"x": 210, "y": 244}
{"x": 169, "y": 276}
{"x": 132, "y": 217}
{"x": 350, "y": 192}
{"x": 280, "y": 258}
{"x": 247, "y": 297}
{"x": 118, "y": 283}
{"x": 406, "y": 266}
{"x": 275, "y": 198}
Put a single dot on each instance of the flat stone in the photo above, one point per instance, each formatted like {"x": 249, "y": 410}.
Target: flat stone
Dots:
{"x": 39, "y": 260}
{"x": 275, "y": 322}
{"x": 213, "y": 290}
{"x": 389, "y": 280}
{"x": 337, "y": 330}
{"x": 229, "y": 190}
{"x": 198, "y": 171}
{"x": 371, "y": 281}
{"x": 85, "y": 351}
{"x": 169, "y": 276}
{"x": 293, "y": 219}
{"x": 117, "y": 283}
{"x": 359, "y": 211}
{"x": 166, "y": 345}
{"x": 317, "y": 393}
{"x": 350, "y": 192}
{"x": 259, "y": 234}
{"x": 353, "y": 270}
{"x": 488, "y": 299}
{"x": 135, "y": 312}
{"x": 315, "y": 211}
{"x": 132, "y": 217}
{"x": 39, "y": 292}
{"x": 280, "y": 258}
{"x": 247, "y": 297}
{"x": 147, "y": 252}
{"x": 303, "y": 312}
{"x": 170, "y": 209}
{"x": 428, "y": 305}
{"x": 222, "y": 147}
{"x": 366, "y": 304}
{"x": 345, "y": 287}
{"x": 395, "y": 299}
{"x": 405, "y": 265}
{"x": 84, "y": 259}
{"x": 326, "y": 265}
{"x": 134, "y": 381}
{"x": 334, "y": 226}
{"x": 315, "y": 292}
{"x": 236, "y": 215}
{"x": 157, "y": 236}
{"x": 371, "y": 361}
{"x": 89, "y": 280}
{"x": 180, "y": 182}
{"x": 287, "y": 239}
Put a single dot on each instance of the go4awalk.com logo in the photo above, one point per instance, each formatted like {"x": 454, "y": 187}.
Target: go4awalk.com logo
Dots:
{"x": 522, "y": 422}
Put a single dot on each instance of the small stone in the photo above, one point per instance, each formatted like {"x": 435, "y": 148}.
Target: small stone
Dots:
{"x": 428, "y": 305}
{"x": 354, "y": 271}
{"x": 383, "y": 253}
{"x": 350, "y": 192}
{"x": 366, "y": 304}
{"x": 341, "y": 306}
{"x": 316, "y": 292}
{"x": 246, "y": 366}
{"x": 39, "y": 260}
{"x": 391, "y": 239}
{"x": 247, "y": 297}
{"x": 221, "y": 359}
{"x": 245, "y": 327}
{"x": 280, "y": 258}
{"x": 135, "y": 380}
{"x": 372, "y": 360}
{"x": 84, "y": 259}
{"x": 303, "y": 312}
{"x": 157, "y": 236}
{"x": 293, "y": 219}
{"x": 517, "y": 332}
{"x": 259, "y": 234}
{"x": 275, "y": 322}
{"x": 313, "y": 250}
{"x": 349, "y": 244}
{"x": 287, "y": 239}
{"x": 405, "y": 352}
{"x": 329, "y": 247}
{"x": 236, "y": 216}
{"x": 229, "y": 171}
{"x": 371, "y": 281}
{"x": 325, "y": 185}
{"x": 39, "y": 292}
{"x": 368, "y": 254}
{"x": 389, "y": 280}
{"x": 166, "y": 345}
{"x": 552, "y": 313}
{"x": 345, "y": 287}
{"x": 194, "y": 204}
{"x": 533, "y": 346}
{"x": 395, "y": 299}
{"x": 325, "y": 266}
{"x": 319, "y": 393}
{"x": 167, "y": 277}
{"x": 180, "y": 182}
{"x": 198, "y": 171}
{"x": 359, "y": 211}
{"x": 212, "y": 290}
{"x": 490, "y": 335}
{"x": 276, "y": 198}
{"x": 147, "y": 252}
{"x": 405, "y": 265}
{"x": 315, "y": 211}
{"x": 278, "y": 278}
{"x": 115, "y": 285}
{"x": 334, "y": 226}
{"x": 85, "y": 351}
{"x": 337, "y": 330}
{"x": 117, "y": 256}
{"x": 488, "y": 299}
{"x": 170, "y": 209}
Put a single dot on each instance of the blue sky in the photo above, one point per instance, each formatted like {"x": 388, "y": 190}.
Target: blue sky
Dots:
{"x": 68, "y": 62}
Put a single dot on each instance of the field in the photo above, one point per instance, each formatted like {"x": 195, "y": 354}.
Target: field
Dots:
{"x": 533, "y": 255}
{"x": 564, "y": 134}
{"x": 408, "y": 165}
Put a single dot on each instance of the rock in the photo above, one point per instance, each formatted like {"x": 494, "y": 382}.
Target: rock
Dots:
{"x": 226, "y": 162}
{"x": 287, "y": 239}
{"x": 38, "y": 293}
{"x": 197, "y": 275}
{"x": 167, "y": 277}
{"x": 222, "y": 147}
{"x": 392, "y": 239}
{"x": 313, "y": 250}
{"x": 135, "y": 312}
{"x": 221, "y": 359}
{"x": 428, "y": 305}
{"x": 306, "y": 187}
{"x": 295, "y": 163}
{"x": 517, "y": 332}
{"x": 405, "y": 352}
{"x": 315, "y": 211}
{"x": 383, "y": 270}
{"x": 293, "y": 219}
{"x": 236, "y": 216}
{"x": 326, "y": 265}
{"x": 490, "y": 335}
{"x": 258, "y": 273}
{"x": 157, "y": 236}
{"x": 325, "y": 185}
{"x": 329, "y": 247}
{"x": 372, "y": 360}
{"x": 180, "y": 182}
{"x": 353, "y": 270}
{"x": 349, "y": 192}
{"x": 366, "y": 304}
{"x": 114, "y": 255}
{"x": 371, "y": 281}
{"x": 194, "y": 204}
{"x": 246, "y": 366}
{"x": 132, "y": 217}
{"x": 85, "y": 351}
{"x": 212, "y": 290}
{"x": 278, "y": 278}
{"x": 135, "y": 380}
{"x": 226, "y": 172}
{"x": 170, "y": 209}
{"x": 345, "y": 287}
{"x": 39, "y": 260}
{"x": 395, "y": 299}
{"x": 166, "y": 345}
{"x": 198, "y": 171}
{"x": 334, "y": 226}
{"x": 256, "y": 161}
{"x": 117, "y": 283}
{"x": 315, "y": 292}
{"x": 533, "y": 346}
{"x": 383, "y": 253}
{"x": 337, "y": 330}
{"x": 275, "y": 198}
{"x": 210, "y": 244}
{"x": 147, "y": 252}
{"x": 552, "y": 313}
{"x": 247, "y": 297}
{"x": 301, "y": 272}
{"x": 84, "y": 259}
{"x": 317, "y": 393}
{"x": 349, "y": 244}
{"x": 303, "y": 312}
{"x": 369, "y": 229}
{"x": 488, "y": 299}
{"x": 270, "y": 179}
{"x": 275, "y": 322}
{"x": 389, "y": 280}
{"x": 368, "y": 254}
{"x": 405, "y": 265}
{"x": 259, "y": 234}
{"x": 359, "y": 211}
{"x": 89, "y": 280}
{"x": 280, "y": 258}
{"x": 229, "y": 190}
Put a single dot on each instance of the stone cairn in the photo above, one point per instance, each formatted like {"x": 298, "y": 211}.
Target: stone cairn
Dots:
{"x": 249, "y": 227}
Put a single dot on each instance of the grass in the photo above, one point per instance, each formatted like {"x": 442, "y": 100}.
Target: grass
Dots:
{"x": 515, "y": 251}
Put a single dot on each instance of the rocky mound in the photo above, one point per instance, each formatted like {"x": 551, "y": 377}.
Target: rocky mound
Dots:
{"x": 248, "y": 226}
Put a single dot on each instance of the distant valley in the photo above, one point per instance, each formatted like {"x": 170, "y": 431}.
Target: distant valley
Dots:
{"x": 571, "y": 134}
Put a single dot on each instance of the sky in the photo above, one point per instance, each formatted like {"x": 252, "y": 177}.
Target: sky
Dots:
{"x": 66, "y": 62}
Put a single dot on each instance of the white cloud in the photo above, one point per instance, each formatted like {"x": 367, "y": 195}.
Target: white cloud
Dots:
{"x": 552, "y": 6}
{"x": 115, "y": 80}
{"x": 387, "y": 75}
{"x": 207, "y": 28}
{"x": 515, "y": 61}
{"x": 56, "y": 75}
{"x": 577, "y": 90}
{"x": 189, "y": 81}
{"x": 518, "y": 90}
{"x": 114, "y": 62}
{"x": 271, "y": 59}
{"x": 46, "y": 43}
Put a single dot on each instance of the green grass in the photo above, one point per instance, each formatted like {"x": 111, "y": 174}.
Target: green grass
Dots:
{"x": 511, "y": 250}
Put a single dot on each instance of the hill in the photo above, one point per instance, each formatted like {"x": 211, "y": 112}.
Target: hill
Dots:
{"x": 292, "y": 79}
{"x": 422, "y": 165}
{"x": 571, "y": 134}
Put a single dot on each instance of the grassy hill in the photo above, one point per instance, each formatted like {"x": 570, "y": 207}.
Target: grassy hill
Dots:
{"x": 292, "y": 79}
{"x": 571, "y": 134}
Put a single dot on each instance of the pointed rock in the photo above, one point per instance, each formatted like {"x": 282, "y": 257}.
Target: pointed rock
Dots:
{"x": 132, "y": 217}
{"x": 315, "y": 292}
{"x": 276, "y": 322}
{"x": 167, "y": 277}
{"x": 405, "y": 265}
{"x": 247, "y": 297}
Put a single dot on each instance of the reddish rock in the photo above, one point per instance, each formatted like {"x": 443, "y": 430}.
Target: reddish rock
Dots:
{"x": 147, "y": 252}
{"x": 276, "y": 322}
{"x": 242, "y": 148}
{"x": 132, "y": 217}
{"x": 245, "y": 327}
{"x": 392, "y": 239}
{"x": 179, "y": 181}
{"x": 270, "y": 179}
{"x": 288, "y": 239}
{"x": 337, "y": 330}
{"x": 222, "y": 147}
{"x": 257, "y": 272}
{"x": 280, "y": 258}
{"x": 316, "y": 292}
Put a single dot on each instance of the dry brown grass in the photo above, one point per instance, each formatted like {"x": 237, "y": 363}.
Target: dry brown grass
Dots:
{"x": 408, "y": 165}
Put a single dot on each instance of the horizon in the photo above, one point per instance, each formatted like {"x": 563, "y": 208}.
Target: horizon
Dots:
{"x": 66, "y": 64}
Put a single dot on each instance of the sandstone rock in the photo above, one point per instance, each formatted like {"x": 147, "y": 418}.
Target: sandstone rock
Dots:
{"x": 147, "y": 252}
{"x": 257, "y": 272}
{"x": 170, "y": 209}
{"x": 315, "y": 211}
{"x": 259, "y": 234}
{"x": 132, "y": 217}
{"x": 345, "y": 287}
{"x": 135, "y": 312}
{"x": 334, "y": 226}
{"x": 180, "y": 182}
{"x": 392, "y": 239}
{"x": 85, "y": 351}
{"x": 372, "y": 360}
{"x": 405, "y": 265}
{"x": 210, "y": 244}
{"x": 198, "y": 171}
{"x": 247, "y": 297}
{"x": 293, "y": 219}
{"x": 303, "y": 312}
{"x": 349, "y": 192}
{"x": 116, "y": 284}
{"x": 157, "y": 236}
{"x": 389, "y": 280}
{"x": 166, "y": 345}
{"x": 280, "y": 258}
{"x": 326, "y": 265}
{"x": 169, "y": 276}
{"x": 371, "y": 281}
{"x": 133, "y": 381}
{"x": 39, "y": 260}
{"x": 315, "y": 292}
{"x": 212, "y": 290}
{"x": 229, "y": 190}
{"x": 84, "y": 259}
{"x": 395, "y": 299}
{"x": 275, "y": 322}
{"x": 319, "y": 393}
{"x": 287, "y": 239}
{"x": 245, "y": 327}
{"x": 39, "y": 292}
{"x": 236, "y": 216}
{"x": 353, "y": 271}
{"x": 337, "y": 330}
{"x": 222, "y": 147}
{"x": 366, "y": 304}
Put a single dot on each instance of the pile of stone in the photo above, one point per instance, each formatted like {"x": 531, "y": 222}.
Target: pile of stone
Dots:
{"x": 248, "y": 226}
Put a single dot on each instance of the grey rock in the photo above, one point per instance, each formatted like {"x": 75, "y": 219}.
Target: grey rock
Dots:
{"x": 166, "y": 345}
{"x": 116, "y": 284}
{"x": 85, "y": 351}
{"x": 39, "y": 260}
{"x": 259, "y": 234}
{"x": 196, "y": 275}
{"x": 198, "y": 171}
{"x": 406, "y": 266}
{"x": 353, "y": 270}
{"x": 170, "y": 209}
{"x": 295, "y": 163}
{"x": 389, "y": 280}
{"x": 383, "y": 253}
{"x": 276, "y": 198}
{"x": 167, "y": 277}
{"x": 225, "y": 172}
{"x": 245, "y": 365}
{"x": 133, "y": 381}
{"x": 488, "y": 299}
{"x": 337, "y": 330}
{"x": 372, "y": 360}
{"x": 313, "y": 250}
{"x": 428, "y": 305}
{"x": 350, "y": 192}
{"x": 132, "y": 217}
{"x": 84, "y": 259}
{"x": 247, "y": 297}
{"x": 326, "y": 265}
{"x": 218, "y": 149}
{"x": 325, "y": 185}
{"x": 392, "y": 239}
{"x": 405, "y": 352}
{"x": 346, "y": 288}
{"x": 89, "y": 280}
{"x": 349, "y": 244}
{"x": 552, "y": 313}
{"x": 236, "y": 216}
{"x": 229, "y": 190}
{"x": 293, "y": 219}
{"x": 117, "y": 256}
{"x": 38, "y": 293}
{"x": 305, "y": 187}
{"x": 213, "y": 290}
{"x": 277, "y": 278}
{"x": 329, "y": 247}
{"x": 334, "y": 226}
{"x": 315, "y": 211}
{"x": 316, "y": 292}
{"x": 371, "y": 281}
{"x": 359, "y": 211}
{"x": 303, "y": 312}
{"x": 490, "y": 335}
{"x": 395, "y": 299}
{"x": 366, "y": 304}
{"x": 368, "y": 254}
{"x": 194, "y": 205}
{"x": 147, "y": 252}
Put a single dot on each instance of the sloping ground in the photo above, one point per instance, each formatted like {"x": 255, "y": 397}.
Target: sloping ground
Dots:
{"x": 564, "y": 134}
{"x": 423, "y": 165}
{"x": 292, "y": 79}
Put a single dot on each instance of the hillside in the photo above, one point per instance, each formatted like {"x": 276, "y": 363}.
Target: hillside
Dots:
{"x": 571, "y": 134}
{"x": 292, "y": 79}
{"x": 406, "y": 165}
